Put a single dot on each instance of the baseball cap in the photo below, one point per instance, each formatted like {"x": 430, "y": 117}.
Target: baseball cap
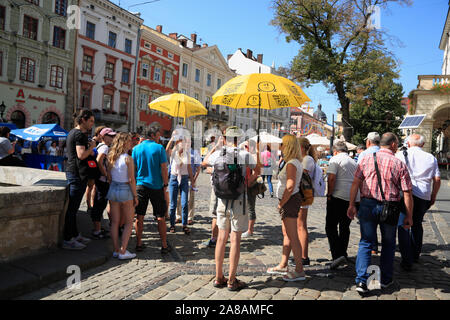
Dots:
{"x": 233, "y": 131}
{"x": 373, "y": 136}
{"x": 107, "y": 131}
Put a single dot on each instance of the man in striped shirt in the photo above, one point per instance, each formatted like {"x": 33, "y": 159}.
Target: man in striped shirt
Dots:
{"x": 394, "y": 179}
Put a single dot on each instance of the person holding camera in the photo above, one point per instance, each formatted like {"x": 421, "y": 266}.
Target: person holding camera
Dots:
{"x": 7, "y": 148}
{"x": 380, "y": 178}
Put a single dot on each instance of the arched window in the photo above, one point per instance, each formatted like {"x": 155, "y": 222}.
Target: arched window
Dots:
{"x": 18, "y": 118}
{"x": 50, "y": 117}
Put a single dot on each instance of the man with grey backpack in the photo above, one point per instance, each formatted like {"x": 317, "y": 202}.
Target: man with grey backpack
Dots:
{"x": 229, "y": 183}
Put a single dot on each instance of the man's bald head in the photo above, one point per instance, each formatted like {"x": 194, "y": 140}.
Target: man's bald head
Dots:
{"x": 416, "y": 140}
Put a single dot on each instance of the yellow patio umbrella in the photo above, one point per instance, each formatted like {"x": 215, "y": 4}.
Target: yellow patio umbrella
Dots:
{"x": 260, "y": 90}
{"x": 178, "y": 105}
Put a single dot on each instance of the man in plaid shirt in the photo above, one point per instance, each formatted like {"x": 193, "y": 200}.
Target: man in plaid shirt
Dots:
{"x": 394, "y": 179}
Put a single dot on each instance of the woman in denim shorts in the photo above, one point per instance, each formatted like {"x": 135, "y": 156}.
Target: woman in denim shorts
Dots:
{"x": 122, "y": 193}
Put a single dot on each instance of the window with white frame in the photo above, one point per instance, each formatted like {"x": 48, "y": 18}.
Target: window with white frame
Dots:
{"x": 128, "y": 45}
{"x": 208, "y": 79}
{"x": 157, "y": 74}
{"x": 61, "y": 7}
{"x": 90, "y": 30}
{"x": 159, "y": 50}
{"x": 197, "y": 75}
{"x": 219, "y": 83}
{"x": 183, "y": 91}
{"x": 59, "y": 37}
{"x": 196, "y": 95}
{"x": 107, "y": 101}
{"x": 112, "y": 39}
{"x": 87, "y": 63}
{"x": 145, "y": 70}
{"x": 169, "y": 80}
{"x": 143, "y": 101}
{"x": 185, "y": 70}
{"x": 56, "y": 77}
{"x": 27, "y": 69}
{"x": 109, "y": 70}
{"x": 30, "y": 27}
{"x": 126, "y": 75}
{"x": 170, "y": 55}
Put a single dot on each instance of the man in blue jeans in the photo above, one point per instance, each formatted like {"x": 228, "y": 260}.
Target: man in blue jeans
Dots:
{"x": 394, "y": 179}
{"x": 78, "y": 149}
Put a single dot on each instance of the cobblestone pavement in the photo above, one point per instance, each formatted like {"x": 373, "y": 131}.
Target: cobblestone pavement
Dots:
{"x": 187, "y": 273}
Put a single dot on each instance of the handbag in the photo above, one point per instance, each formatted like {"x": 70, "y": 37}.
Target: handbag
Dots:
{"x": 391, "y": 209}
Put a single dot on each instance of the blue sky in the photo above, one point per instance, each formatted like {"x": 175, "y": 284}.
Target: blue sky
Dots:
{"x": 245, "y": 24}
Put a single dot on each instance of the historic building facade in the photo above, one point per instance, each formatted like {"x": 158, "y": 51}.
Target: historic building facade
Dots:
{"x": 432, "y": 97}
{"x": 36, "y": 62}
{"x": 158, "y": 74}
{"x": 106, "y": 62}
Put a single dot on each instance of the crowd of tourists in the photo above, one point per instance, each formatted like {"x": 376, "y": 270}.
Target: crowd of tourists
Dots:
{"x": 383, "y": 186}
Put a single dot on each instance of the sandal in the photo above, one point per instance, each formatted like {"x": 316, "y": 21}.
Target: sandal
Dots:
{"x": 294, "y": 276}
{"x": 186, "y": 230}
{"x": 166, "y": 250}
{"x": 172, "y": 230}
{"x": 277, "y": 270}
{"x": 236, "y": 285}
{"x": 190, "y": 222}
{"x": 178, "y": 221}
{"x": 221, "y": 283}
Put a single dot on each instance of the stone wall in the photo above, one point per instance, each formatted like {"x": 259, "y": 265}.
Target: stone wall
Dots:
{"x": 31, "y": 211}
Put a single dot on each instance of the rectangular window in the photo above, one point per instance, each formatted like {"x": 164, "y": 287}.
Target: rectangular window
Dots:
{"x": 123, "y": 107}
{"x": 126, "y": 75}
{"x": 145, "y": 72}
{"x": 30, "y": 27}
{"x": 1, "y": 63}
{"x": 86, "y": 98}
{"x": 197, "y": 75}
{"x": 112, "y": 39}
{"x": 59, "y": 37}
{"x": 159, "y": 50}
{"x": 208, "y": 80}
{"x": 90, "y": 30}
{"x": 207, "y": 102}
{"x": 143, "y": 101}
{"x": 169, "y": 81}
{"x": 219, "y": 83}
{"x": 109, "y": 70}
{"x": 2, "y": 17}
{"x": 56, "y": 77}
{"x": 196, "y": 96}
{"x": 128, "y": 45}
{"x": 107, "y": 101}
{"x": 61, "y": 7}
{"x": 147, "y": 45}
{"x": 87, "y": 63}
{"x": 157, "y": 75}
{"x": 183, "y": 91}
{"x": 27, "y": 69}
{"x": 185, "y": 70}
{"x": 170, "y": 55}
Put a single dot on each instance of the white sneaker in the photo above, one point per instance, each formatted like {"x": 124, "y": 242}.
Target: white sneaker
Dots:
{"x": 126, "y": 255}
{"x": 73, "y": 245}
{"x": 115, "y": 254}
{"x": 247, "y": 235}
{"x": 82, "y": 239}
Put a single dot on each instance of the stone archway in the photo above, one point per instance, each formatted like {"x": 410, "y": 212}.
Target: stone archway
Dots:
{"x": 441, "y": 117}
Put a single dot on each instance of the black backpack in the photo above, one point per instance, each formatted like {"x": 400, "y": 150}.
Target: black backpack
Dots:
{"x": 228, "y": 180}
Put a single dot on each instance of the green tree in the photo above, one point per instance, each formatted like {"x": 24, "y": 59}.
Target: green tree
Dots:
{"x": 339, "y": 47}
{"x": 380, "y": 111}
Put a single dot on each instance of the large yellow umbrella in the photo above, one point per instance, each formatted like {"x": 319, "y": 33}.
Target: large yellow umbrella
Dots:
{"x": 260, "y": 90}
{"x": 178, "y": 105}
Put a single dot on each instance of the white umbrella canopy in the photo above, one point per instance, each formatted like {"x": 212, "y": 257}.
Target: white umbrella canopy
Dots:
{"x": 350, "y": 146}
{"x": 267, "y": 138}
{"x": 317, "y": 140}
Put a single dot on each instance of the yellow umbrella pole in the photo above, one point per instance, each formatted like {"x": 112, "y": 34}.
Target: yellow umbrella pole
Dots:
{"x": 259, "y": 114}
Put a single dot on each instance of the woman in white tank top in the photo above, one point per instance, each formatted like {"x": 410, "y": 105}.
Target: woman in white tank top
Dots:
{"x": 289, "y": 204}
{"x": 122, "y": 193}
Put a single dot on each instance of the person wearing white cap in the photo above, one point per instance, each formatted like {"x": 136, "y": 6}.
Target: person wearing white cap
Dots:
{"x": 106, "y": 137}
{"x": 372, "y": 146}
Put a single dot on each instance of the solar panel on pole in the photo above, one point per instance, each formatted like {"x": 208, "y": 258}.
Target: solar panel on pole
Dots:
{"x": 412, "y": 122}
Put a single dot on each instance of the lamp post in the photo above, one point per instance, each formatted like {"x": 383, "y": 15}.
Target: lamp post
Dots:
{"x": 2, "y": 110}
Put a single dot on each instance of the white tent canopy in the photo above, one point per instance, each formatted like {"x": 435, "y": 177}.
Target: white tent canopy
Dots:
{"x": 317, "y": 140}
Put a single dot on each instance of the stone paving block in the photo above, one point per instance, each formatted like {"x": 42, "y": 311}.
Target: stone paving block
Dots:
{"x": 289, "y": 291}
{"x": 154, "y": 294}
{"x": 204, "y": 293}
{"x": 174, "y": 296}
{"x": 442, "y": 295}
{"x": 280, "y": 296}
{"x": 351, "y": 295}
{"x": 333, "y": 295}
{"x": 309, "y": 292}
{"x": 262, "y": 296}
{"x": 270, "y": 290}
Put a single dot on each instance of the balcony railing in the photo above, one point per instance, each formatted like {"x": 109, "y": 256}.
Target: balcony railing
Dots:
{"x": 214, "y": 115}
{"x": 427, "y": 82}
